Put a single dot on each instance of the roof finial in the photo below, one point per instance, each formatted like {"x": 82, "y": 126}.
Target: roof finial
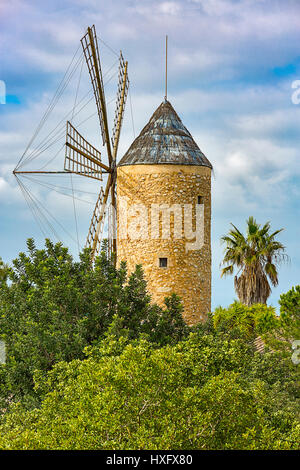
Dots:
{"x": 166, "y": 84}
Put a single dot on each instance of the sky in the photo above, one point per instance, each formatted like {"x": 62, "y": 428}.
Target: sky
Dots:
{"x": 233, "y": 67}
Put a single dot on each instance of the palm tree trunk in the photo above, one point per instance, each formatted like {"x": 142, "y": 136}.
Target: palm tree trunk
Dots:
{"x": 252, "y": 286}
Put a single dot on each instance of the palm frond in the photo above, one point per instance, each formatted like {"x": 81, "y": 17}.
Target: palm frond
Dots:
{"x": 227, "y": 270}
{"x": 272, "y": 273}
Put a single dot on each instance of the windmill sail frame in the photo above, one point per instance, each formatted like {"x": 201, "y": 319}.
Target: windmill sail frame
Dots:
{"x": 82, "y": 158}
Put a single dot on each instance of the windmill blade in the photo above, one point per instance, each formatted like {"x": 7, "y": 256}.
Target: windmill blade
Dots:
{"x": 112, "y": 222}
{"x": 110, "y": 217}
{"x": 94, "y": 225}
{"x": 81, "y": 157}
{"x": 95, "y": 233}
{"x": 91, "y": 52}
{"x": 123, "y": 85}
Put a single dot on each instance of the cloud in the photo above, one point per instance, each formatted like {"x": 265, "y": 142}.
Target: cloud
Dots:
{"x": 256, "y": 174}
{"x": 169, "y": 8}
{"x": 231, "y": 65}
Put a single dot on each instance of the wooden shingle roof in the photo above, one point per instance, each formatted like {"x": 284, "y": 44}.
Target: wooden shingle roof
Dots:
{"x": 164, "y": 140}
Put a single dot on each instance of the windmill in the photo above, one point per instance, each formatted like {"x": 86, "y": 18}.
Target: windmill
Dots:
{"x": 82, "y": 158}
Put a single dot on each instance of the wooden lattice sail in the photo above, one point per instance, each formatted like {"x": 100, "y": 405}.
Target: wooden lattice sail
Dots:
{"x": 82, "y": 158}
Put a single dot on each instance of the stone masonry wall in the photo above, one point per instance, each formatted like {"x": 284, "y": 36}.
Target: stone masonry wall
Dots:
{"x": 188, "y": 273}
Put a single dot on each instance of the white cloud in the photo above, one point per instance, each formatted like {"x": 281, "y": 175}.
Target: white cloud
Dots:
{"x": 252, "y": 176}
{"x": 169, "y": 8}
{"x": 221, "y": 57}
{"x": 123, "y": 31}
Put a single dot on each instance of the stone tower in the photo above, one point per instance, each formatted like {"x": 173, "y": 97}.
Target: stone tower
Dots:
{"x": 164, "y": 212}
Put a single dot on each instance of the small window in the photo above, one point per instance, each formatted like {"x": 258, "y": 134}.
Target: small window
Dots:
{"x": 200, "y": 200}
{"x": 163, "y": 262}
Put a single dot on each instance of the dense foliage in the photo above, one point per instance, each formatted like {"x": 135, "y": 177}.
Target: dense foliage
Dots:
{"x": 203, "y": 393}
{"x": 51, "y": 307}
{"x": 91, "y": 364}
{"x": 290, "y": 313}
{"x": 3, "y": 272}
{"x": 250, "y": 321}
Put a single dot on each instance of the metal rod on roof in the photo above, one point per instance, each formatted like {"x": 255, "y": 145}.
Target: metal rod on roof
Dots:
{"x": 166, "y": 85}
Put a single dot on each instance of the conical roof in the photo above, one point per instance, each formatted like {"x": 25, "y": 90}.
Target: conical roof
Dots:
{"x": 164, "y": 140}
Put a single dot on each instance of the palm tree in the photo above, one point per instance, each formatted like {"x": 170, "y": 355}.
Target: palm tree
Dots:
{"x": 257, "y": 257}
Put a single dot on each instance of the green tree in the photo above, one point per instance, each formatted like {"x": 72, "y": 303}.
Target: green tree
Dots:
{"x": 288, "y": 330}
{"x": 290, "y": 313}
{"x": 170, "y": 327}
{"x": 247, "y": 321}
{"x": 256, "y": 255}
{"x": 3, "y": 272}
{"x": 180, "y": 396}
{"x": 53, "y": 307}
